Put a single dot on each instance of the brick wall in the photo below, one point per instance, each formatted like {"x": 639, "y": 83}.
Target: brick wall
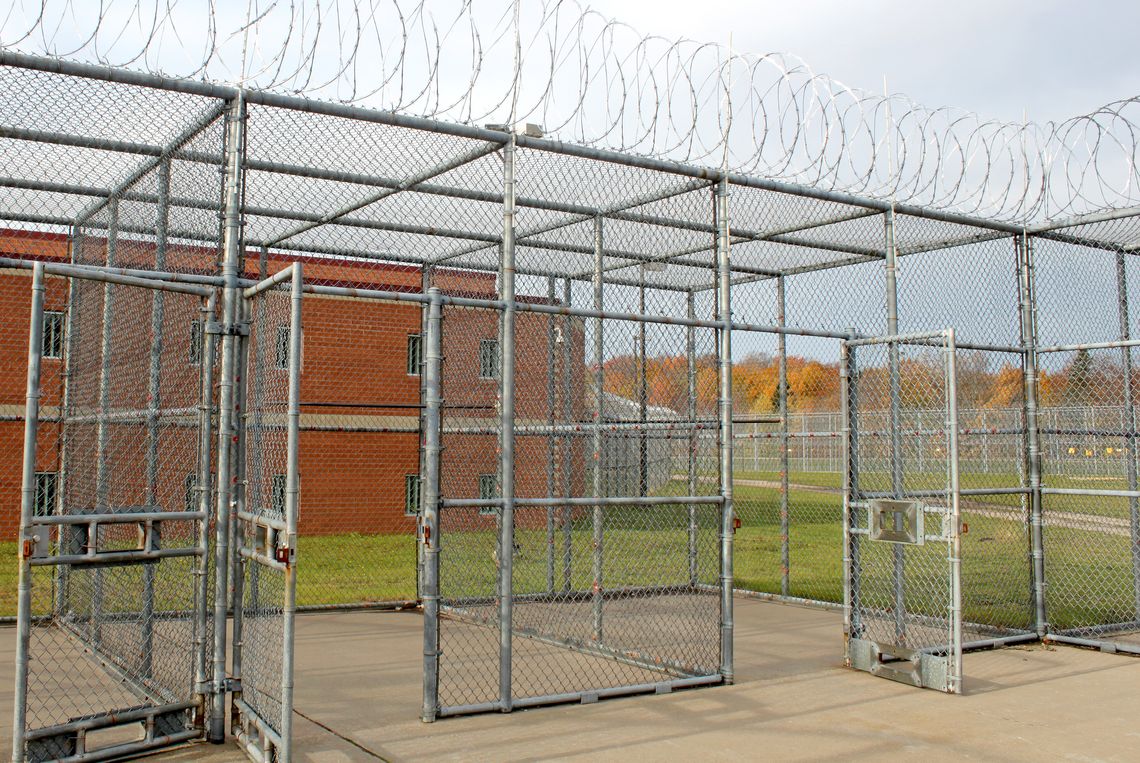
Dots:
{"x": 360, "y": 406}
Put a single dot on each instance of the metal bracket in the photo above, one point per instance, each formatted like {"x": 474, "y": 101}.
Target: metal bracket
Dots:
{"x": 238, "y": 328}
{"x": 897, "y": 521}
{"x": 37, "y": 545}
{"x": 921, "y": 669}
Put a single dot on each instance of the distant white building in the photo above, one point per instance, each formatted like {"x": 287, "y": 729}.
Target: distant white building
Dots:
{"x": 622, "y": 446}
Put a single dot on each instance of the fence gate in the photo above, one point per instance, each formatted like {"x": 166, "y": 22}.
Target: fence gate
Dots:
{"x": 902, "y": 564}
{"x": 266, "y": 531}
{"x": 112, "y": 598}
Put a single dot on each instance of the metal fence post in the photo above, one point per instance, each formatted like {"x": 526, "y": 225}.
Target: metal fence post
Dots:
{"x": 231, "y": 261}
{"x": 1028, "y": 312}
{"x": 240, "y": 492}
{"x": 62, "y": 575}
{"x": 897, "y": 482}
{"x": 102, "y": 474}
{"x": 425, "y": 287}
{"x": 954, "y": 682}
{"x": 694, "y": 441}
{"x": 27, "y": 510}
{"x": 642, "y": 397}
{"x": 1129, "y": 427}
{"x": 568, "y": 415}
{"x": 782, "y": 387}
{"x": 429, "y": 532}
{"x": 724, "y": 394}
{"x": 292, "y": 505}
{"x": 154, "y": 405}
{"x": 202, "y": 675}
{"x": 507, "y": 425}
{"x": 599, "y": 454}
{"x": 551, "y": 439}
{"x": 848, "y": 386}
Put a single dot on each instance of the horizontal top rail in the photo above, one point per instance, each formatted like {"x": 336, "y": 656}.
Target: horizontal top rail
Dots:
{"x": 915, "y": 338}
{"x": 1115, "y": 345}
{"x": 123, "y": 518}
{"x": 653, "y": 500}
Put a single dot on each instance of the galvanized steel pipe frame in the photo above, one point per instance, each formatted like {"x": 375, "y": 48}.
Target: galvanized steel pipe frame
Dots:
{"x": 299, "y": 104}
{"x": 848, "y": 397}
{"x": 202, "y": 673}
{"x": 691, "y": 388}
{"x": 567, "y": 455}
{"x": 102, "y": 469}
{"x": 954, "y": 667}
{"x": 429, "y": 531}
{"x": 27, "y": 511}
{"x": 1130, "y": 426}
{"x": 782, "y": 391}
{"x": 1027, "y": 305}
{"x": 891, "y": 284}
{"x": 239, "y": 460}
{"x": 724, "y": 403}
{"x": 233, "y": 181}
{"x": 599, "y": 489}
{"x": 292, "y": 507}
{"x": 154, "y": 404}
{"x": 507, "y": 422}
{"x": 551, "y": 441}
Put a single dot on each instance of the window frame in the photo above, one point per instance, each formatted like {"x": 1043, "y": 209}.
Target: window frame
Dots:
{"x": 416, "y": 340}
{"x": 53, "y": 336}
{"x": 197, "y": 342}
{"x": 278, "y": 493}
{"x": 40, "y": 506}
{"x": 493, "y": 493}
{"x": 413, "y": 495}
{"x": 492, "y": 359}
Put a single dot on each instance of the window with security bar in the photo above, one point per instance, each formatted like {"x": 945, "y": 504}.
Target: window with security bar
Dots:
{"x": 52, "y": 344}
{"x": 195, "y": 353}
{"x": 46, "y": 484}
{"x": 282, "y": 349}
{"x": 415, "y": 354}
{"x": 489, "y": 359}
{"x": 412, "y": 495}
{"x": 488, "y": 491}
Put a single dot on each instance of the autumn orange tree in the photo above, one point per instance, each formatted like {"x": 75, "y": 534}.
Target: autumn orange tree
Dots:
{"x": 985, "y": 381}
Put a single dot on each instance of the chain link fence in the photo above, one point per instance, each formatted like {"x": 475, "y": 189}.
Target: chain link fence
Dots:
{"x": 617, "y": 356}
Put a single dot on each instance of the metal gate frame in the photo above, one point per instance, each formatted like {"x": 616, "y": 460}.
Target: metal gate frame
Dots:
{"x": 264, "y": 541}
{"x": 163, "y": 723}
{"x": 1093, "y": 631}
{"x": 930, "y": 667}
{"x": 505, "y": 594}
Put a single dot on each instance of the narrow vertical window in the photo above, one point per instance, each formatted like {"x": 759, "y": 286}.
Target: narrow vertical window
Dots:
{"x": 196, "y": 343}
{"x": 489, "y": 359}
{"x": 415, "y": 354}
{"x": 45, "y": 494}
{"x": 278, "y": 497}
{"x": 283, "y": 346}
{"x": 488, "y": 490}
{"x": 412, "y": 494}
{"x": 52, "y": 344}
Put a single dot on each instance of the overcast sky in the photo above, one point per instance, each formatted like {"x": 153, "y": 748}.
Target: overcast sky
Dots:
{"x": 1051, "y": 59}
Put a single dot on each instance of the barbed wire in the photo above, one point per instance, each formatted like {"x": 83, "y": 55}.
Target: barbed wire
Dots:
{"x": 589, "y": 79}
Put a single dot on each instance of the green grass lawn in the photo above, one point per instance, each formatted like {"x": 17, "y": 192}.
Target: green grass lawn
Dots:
{"x": 1089, "y": 573}
{"x": 1106, "y": 506}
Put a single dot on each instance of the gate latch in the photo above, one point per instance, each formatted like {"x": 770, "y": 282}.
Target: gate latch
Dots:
{"x": 283, "y": 555}
{"x": 37, "y": 544}
{"x": 897, "y": 521}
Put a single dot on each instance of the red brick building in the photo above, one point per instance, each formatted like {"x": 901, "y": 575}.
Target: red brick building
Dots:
{"x": 360, "y": 388}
